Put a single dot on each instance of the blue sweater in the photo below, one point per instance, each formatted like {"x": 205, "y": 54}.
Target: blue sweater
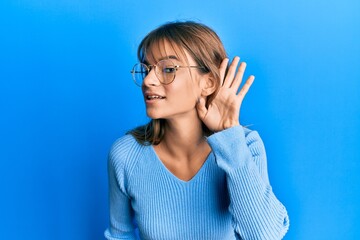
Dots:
{"x": 229, "y": 198}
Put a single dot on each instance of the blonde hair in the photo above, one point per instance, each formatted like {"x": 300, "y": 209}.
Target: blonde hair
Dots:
{"x": 202, "y": 44}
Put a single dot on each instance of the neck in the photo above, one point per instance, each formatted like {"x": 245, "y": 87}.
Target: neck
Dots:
{"x": 183, "y": 136}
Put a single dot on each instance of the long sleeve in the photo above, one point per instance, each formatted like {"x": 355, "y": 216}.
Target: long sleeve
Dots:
{"x": 121, "y": 213}
{"x": 256, "y": 212}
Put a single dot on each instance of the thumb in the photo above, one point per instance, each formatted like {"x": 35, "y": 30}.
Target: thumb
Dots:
{"x": 201, "y": 108}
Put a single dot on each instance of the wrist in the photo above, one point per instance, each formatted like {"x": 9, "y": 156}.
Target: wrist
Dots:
{"x": 231, "y": 124}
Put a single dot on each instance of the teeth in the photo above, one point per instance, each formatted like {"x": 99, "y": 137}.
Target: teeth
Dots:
{"x": 154, "y": 97}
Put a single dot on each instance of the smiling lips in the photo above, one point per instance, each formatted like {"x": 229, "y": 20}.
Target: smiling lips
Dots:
{"x": 151, "y": 97}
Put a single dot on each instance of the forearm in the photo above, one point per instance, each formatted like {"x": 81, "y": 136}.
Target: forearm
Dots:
{"x": 257, "y": 213}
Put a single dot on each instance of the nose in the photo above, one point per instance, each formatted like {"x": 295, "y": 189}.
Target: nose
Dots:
{"x": 151, "y": 79}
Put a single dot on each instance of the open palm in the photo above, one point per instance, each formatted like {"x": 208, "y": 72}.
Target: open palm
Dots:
{"x": 224, "y": 111}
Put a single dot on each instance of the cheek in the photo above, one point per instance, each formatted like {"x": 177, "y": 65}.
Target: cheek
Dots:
{"x": 183, "y": 94}
{"x": 185, "y": 86}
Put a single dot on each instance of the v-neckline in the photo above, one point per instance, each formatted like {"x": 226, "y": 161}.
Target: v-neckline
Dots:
{"x": 172, "y": 175}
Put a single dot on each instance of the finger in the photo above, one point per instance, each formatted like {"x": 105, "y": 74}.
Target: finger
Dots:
{"x": 222, "y": 69}
{"x": 238, "y": 77}
{"x": 231, "y": 72}
{"x": 246, "y": 87}
{"x": 201, "y": 108}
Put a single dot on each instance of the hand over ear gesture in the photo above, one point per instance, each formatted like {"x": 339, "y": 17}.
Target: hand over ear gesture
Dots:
{"x": 224, "y": 111}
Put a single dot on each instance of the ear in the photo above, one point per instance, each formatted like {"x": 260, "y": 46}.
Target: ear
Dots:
{"x": 208, "y": 85}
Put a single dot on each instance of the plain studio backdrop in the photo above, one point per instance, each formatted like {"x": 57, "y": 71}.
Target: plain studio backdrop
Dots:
{"x": 66, "y": 94}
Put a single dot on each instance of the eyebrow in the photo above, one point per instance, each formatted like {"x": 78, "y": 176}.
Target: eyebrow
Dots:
{"x": 169, "y": 57}
{"x": 163, "y": 58}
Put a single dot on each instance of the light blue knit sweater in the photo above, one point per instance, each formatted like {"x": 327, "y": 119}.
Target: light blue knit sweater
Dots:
{"x": 229, "y": 198}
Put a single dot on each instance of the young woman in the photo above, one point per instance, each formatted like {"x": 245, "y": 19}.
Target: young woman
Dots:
{"x": 192, "y": 172}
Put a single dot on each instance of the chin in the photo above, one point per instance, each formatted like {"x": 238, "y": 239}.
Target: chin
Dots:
{"x": 153, "y": 114}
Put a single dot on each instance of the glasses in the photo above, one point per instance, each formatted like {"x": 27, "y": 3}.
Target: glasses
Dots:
{"x": 165, "y": 71}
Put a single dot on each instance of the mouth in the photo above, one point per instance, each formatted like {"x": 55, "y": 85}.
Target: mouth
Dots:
{"x": 149, "y": 98}
{"x": 152, "y": 97}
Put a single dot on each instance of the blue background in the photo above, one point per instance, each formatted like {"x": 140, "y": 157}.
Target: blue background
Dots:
{"x": 66, "y": 94}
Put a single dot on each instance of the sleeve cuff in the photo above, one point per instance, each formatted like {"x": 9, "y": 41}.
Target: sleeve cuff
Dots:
{"x": 230, "y": 148}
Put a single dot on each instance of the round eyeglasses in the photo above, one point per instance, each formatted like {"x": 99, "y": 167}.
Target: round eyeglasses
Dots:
{"x": 165, "y": 71}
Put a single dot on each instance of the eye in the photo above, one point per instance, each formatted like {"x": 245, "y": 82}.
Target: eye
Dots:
{"x": 169, "y": 69}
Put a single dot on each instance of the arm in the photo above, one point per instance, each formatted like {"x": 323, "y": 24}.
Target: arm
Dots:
{"x": 121, "y": 213}
{"x": 257, "y": 213}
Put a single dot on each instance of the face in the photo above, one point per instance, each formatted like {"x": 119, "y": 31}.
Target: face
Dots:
{"x": 177, "y": 99}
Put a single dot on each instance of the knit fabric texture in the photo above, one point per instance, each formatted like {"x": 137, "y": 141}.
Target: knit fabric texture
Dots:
{"x": 230, "y": 197}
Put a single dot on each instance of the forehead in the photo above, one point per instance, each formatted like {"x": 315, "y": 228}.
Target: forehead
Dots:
{"x": 163, "y": 49}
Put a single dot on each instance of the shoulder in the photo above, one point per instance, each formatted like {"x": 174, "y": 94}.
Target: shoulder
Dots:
{"x": 122, "y": 146}
{"x": 124, "y": 153}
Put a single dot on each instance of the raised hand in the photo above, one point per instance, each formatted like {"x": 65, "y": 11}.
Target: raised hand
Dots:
{"x": 224, "y": 110}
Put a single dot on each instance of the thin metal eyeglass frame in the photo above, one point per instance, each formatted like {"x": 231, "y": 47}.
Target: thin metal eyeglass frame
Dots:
{"x": 150, "y": 67}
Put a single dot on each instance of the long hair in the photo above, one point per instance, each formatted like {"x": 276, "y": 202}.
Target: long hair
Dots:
{"x": 202, "y": 44}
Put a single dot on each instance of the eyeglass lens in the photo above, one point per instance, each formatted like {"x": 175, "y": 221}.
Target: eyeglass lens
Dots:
{"x": 164, "y": 70}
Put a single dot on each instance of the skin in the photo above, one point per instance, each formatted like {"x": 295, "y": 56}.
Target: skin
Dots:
{"x": 184, "y": 149}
